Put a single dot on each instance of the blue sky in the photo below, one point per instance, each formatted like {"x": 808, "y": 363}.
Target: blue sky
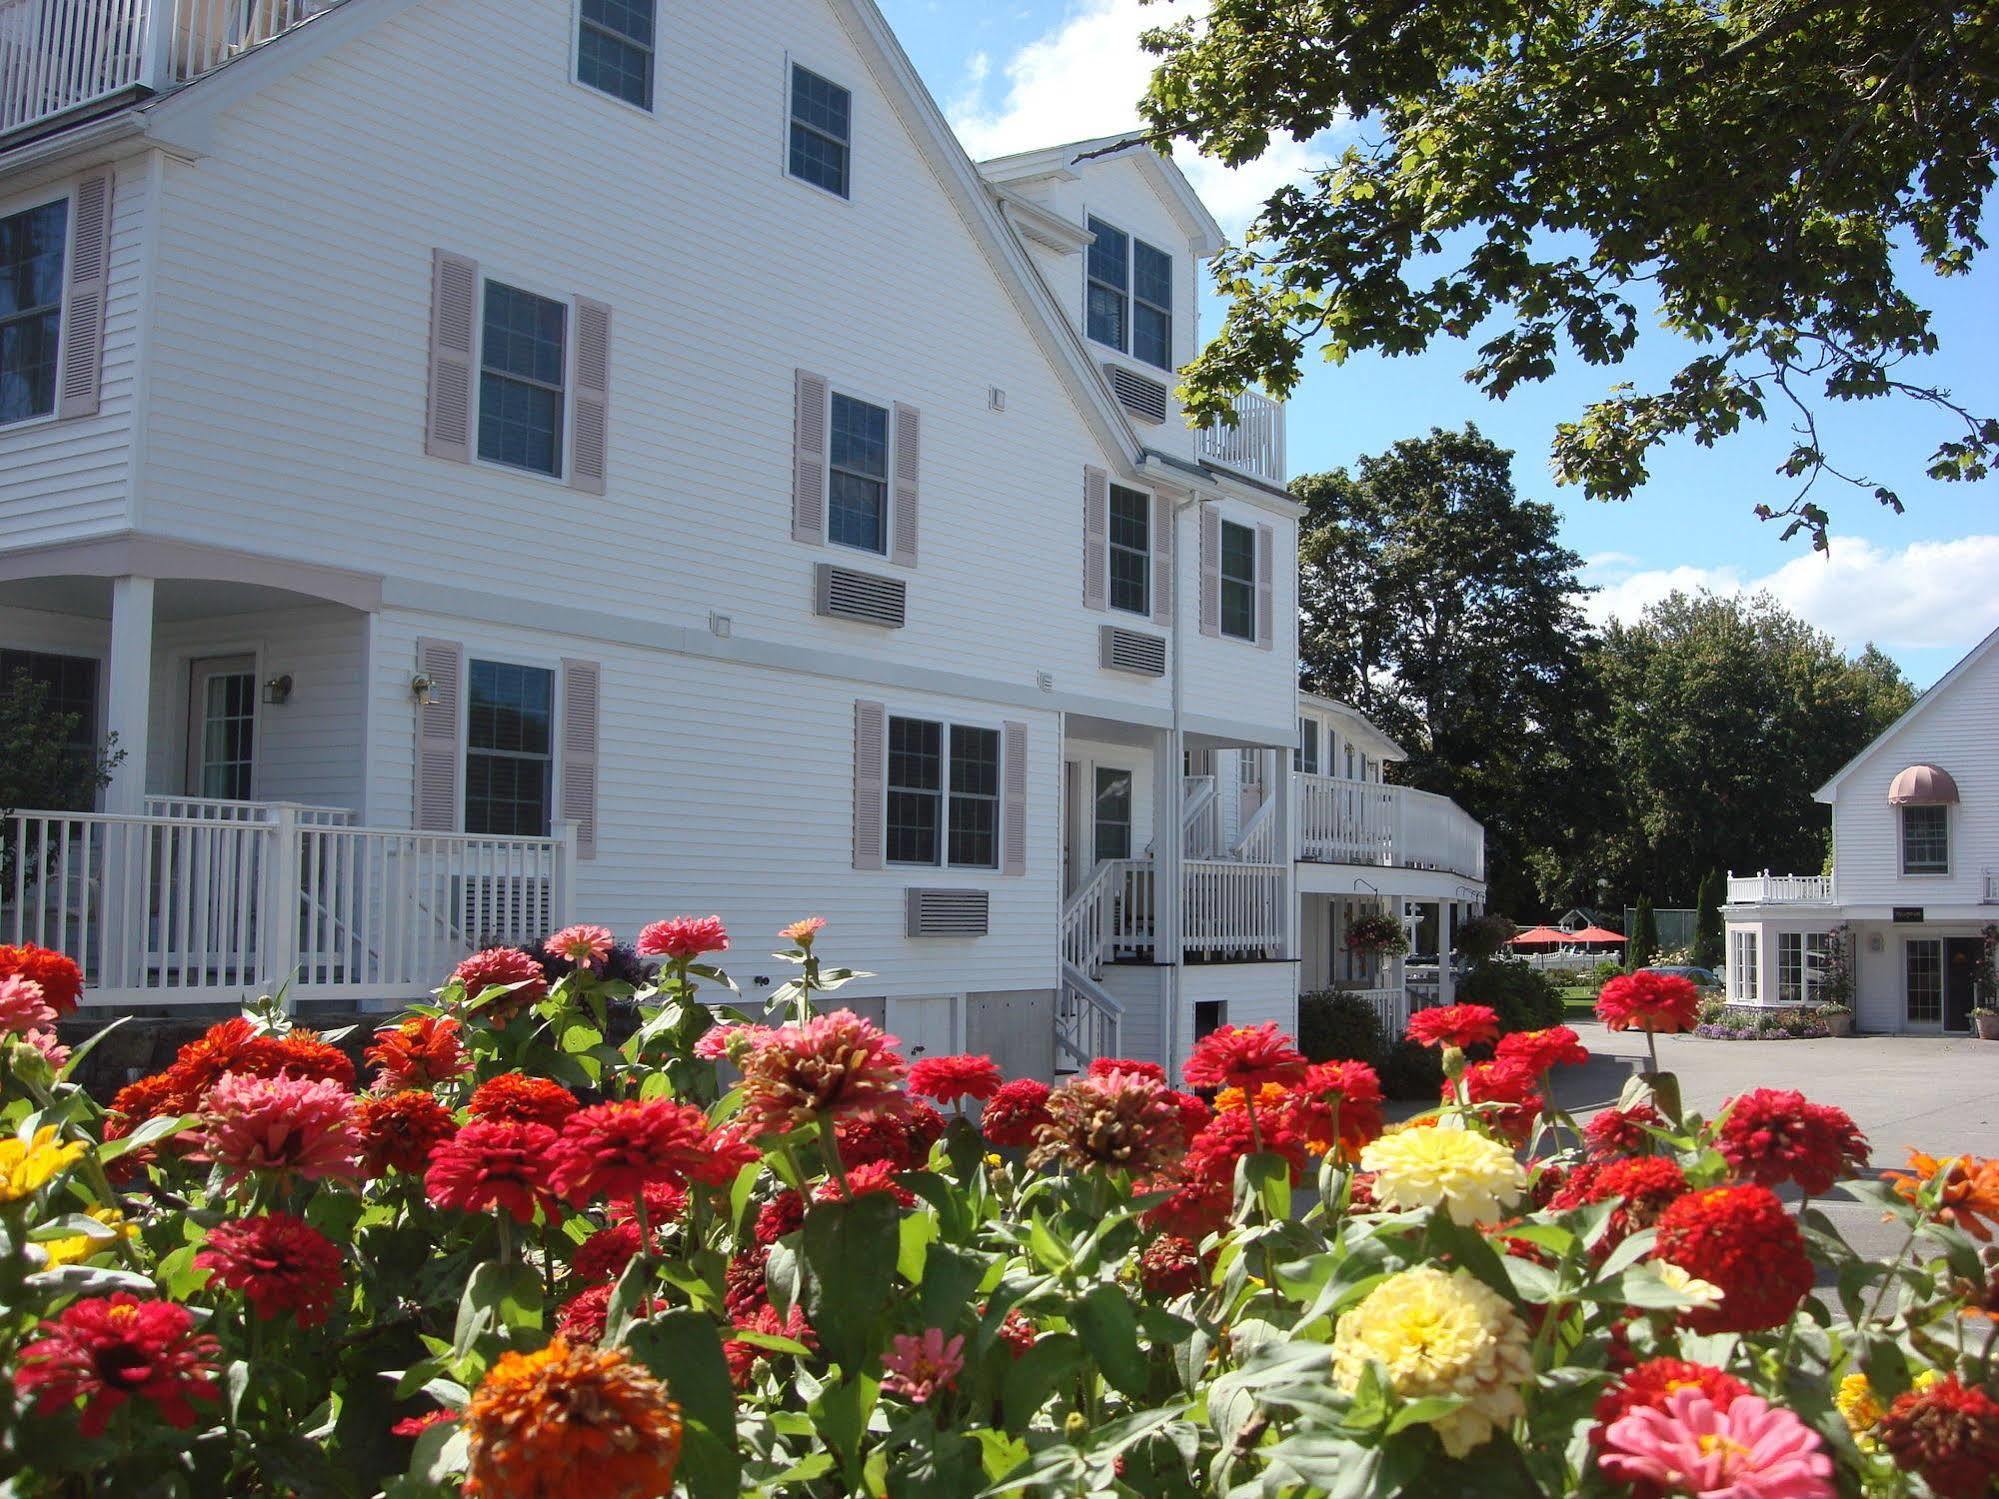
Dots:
{"x": 1923, "y": 585}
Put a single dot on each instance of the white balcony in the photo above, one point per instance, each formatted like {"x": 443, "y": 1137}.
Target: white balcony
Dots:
{"x": 63, "y": 57}
{"x": 1767, "y": 889}
{"x": 1398, "y": 827}
{"x": 1255, "y": 444}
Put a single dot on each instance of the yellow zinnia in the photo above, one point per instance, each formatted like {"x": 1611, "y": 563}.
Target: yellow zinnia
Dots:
{"x": 75, "y": 1247}
{"x": 26, "y": 1166}
{"x": 1475, "y": 1178}
{"x": 1434, "y": 1332}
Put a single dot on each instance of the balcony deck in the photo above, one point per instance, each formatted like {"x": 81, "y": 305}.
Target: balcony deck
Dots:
{"x": 1767, "y": 889}
{"x": 1392, "y": 827}
{"x": 1255, "y": 444}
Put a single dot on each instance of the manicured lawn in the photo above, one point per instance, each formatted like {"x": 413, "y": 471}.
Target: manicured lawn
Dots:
{"x": 1579, "y": 1002}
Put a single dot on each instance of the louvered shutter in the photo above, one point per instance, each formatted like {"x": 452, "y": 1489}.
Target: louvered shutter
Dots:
{"x": 808, "y": 458}
{"x": 1013, "y": 798}
{"x": 580, "y": 696}
{"x": 1211, "y": 570}
{"x": 593, "y": 396}
{"x": 89, "y": 289}
{"x": 1096, "y": 538}
{"x": 454, "y": 297}
{"x": 908, "y": 439}
{"x": 1162, "y": 560}
{"x": 1266, "y": 583}
{"x": 439, "y": 751}
{"x": 870, "y": 782}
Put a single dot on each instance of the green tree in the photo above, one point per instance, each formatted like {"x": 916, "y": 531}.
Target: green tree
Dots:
{"x": 1707, "y": 922}
{"x": 1550, "y": 175}
{"x": 1644, "y": 934}
{"x": 1441, "y": 604}
{"x": 1724, "y": 716}
{"x": 43, "y": 765}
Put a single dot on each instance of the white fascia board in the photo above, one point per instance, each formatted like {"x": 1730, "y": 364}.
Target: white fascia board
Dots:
{"x": 1943, "y": 685}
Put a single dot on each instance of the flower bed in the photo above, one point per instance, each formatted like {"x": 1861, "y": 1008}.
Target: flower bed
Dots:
{"x": 1755, "y": 1024}
{"x": 527, "y": 1261}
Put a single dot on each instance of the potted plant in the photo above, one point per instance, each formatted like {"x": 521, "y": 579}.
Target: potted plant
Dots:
{"x": 1985, "y": 1020}
{"x": 1377, "y": 934}
{"x": 1838, "y": 1019}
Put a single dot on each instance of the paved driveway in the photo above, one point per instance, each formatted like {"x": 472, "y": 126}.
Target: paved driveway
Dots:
{"x": 1936, "y": 1094}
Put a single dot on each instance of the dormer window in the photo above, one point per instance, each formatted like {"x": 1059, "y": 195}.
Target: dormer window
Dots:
{"x": 1129, "y": 305}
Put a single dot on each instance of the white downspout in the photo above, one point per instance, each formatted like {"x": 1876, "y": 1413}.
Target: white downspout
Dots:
{"x": 1176, "y": 754}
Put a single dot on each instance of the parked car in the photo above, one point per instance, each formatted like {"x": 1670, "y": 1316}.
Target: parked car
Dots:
{"x": 1705, "y": 977}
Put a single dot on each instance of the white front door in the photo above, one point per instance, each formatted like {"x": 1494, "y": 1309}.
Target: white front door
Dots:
{"x": 222, "y": 726}
{"x": 926, "y": 1027}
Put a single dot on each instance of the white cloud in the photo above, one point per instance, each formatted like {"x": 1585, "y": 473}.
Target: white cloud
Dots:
{"x": 1084, "y": 79}
{"x": 1928, "y": 595}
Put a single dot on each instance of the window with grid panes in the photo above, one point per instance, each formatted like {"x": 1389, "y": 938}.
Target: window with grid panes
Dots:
{"x": 614, "y": 42}
{"x": 520, "y": 379}
{"x": 509, "y": 749}
{"x": 821, "y": 130}
{"x": 1238, "y": 581}
{"x": 31, "y": 266}
{"x": 1128, "y": 298}
{"x": 1131, "y": 550}
{"x": 942, "y": 805}
{"x": 857, "y": 484}
{"x": 1926, "y": 840}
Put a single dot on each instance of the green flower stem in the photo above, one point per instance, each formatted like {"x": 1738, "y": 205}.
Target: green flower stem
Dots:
{"x": 506, "y": 1223}
{"x": 831, "y": 1140}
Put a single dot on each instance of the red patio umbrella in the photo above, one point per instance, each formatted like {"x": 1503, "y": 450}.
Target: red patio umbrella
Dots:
{"x": 1539, "y": 936}
{"x": 1596, "y": 934}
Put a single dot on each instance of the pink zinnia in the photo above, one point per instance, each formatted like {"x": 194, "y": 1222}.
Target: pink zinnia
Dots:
{"x": 283, "y": 1126}
{"x": 585, "y": 946}
{"x": 22, "y": 1008}
{"x": 919, "y": 1367}
{"x": 53, "y": 1051}
{"x": 503, "y": 968}
{"x": 949, "y": 1079}
{"x": 1748, "y": 1451}
{"x": 802, "y": 932}
{"x": 731, "y": 1043}
{"x": 683, "y": 938}
{"x": 832, "y": 1066}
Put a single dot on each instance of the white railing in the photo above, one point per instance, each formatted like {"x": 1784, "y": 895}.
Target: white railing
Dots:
{"x": 1087, "y": 1019}
{"x": 1232, "y": 908}
{"x": 1258, "y": 843}
{"x": 1255, "y": 444}
{"x": 1767, "y": 888}
{"x": 57, "y": 56}
{"x": 200, "y": 909}
{"x": 1201, "y": 818}
{"x": 1087, "y": 919}
{"x": 1391, "y": 1008}
{"x": 1343, "y": 821}
{"x": 224, "y": 809}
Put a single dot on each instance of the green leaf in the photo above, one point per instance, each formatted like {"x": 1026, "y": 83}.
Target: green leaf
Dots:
{"x": 496, "y": 1295}
{"x": 683, "y": 1348}
{"x": 1110, "y": 1331}
{"x": 146, "y": 1134}
{"x": 850, "y": 1249}
{"x": 1032, "y": 1377}
{"x": 917, "y": 1233}
{"x": 950, "y": 1280}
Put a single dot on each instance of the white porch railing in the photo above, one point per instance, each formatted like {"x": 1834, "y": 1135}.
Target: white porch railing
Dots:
{"x": 57, "y": 56}
{"x": 1255, "y": 444}
{"x": 208, "y": 909}
{"x": 1770, "y": 889}
{"x": 1201, "y": 818}
{"x": 1232, "y": 909}
{"x": 1391, "y": 1007}
{"x": 1087, "y": 1020}
{"x": 1258, "y": 841}
{"x": 224, "y": 809}
{"x": 1343, "y": 821}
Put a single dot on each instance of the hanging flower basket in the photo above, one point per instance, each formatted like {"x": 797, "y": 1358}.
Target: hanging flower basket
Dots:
{"x": 1378, "y": 935}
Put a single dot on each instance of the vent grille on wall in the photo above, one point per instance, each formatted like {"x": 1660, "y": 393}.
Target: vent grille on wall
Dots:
{"x": 1141, "y": 397}
{"x": 947, "y": 913}
{"x": 1129, "y": 650}
{"x": 843, "y": 593}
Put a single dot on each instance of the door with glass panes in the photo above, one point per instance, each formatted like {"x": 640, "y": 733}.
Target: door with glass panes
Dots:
{"x": 222, "y": 727}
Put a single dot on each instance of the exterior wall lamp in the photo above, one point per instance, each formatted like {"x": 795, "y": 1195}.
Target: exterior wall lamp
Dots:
{"x": 278, "y": 690}
{"x": 423, "y": 689}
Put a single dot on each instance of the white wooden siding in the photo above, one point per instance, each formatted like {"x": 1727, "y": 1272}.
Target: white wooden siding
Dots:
{"x": 1230, "y": 677}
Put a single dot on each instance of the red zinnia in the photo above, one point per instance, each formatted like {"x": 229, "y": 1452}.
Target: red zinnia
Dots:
{"x": 664, "y": 1202}
{"x": 1454, "y": 1025}
{"x": 834, "y": 1065}
{"x": 1197, "y": 1207}
{"x": 1014, "y": 1112}
{"x": 743, "y": 1356}
{"x": 1642, "y": 1186}
{"x": 399, "y": 1129}
{"x": 111, "y": 1349}
{"x": 279, "y": 1262}
{"x": 506, "y": 968}
{"x": 57, "y": 973}
{"x": 1540, "y": 1051}
{"x": 420, "y": 1051}
{"x": 524, "y": 1100}
{"x": 1774, "y": 1135}
{"x": 619, "y": 1149}
{"x": 1741, "y": 1241}
{"x": 492, "y": 1164}
{"x": 1646, "y": 1386}
{"x": 297, "y": 1053}
{"x": 1615, "y": 1132}
{"x": 1105, "y": 1066}
{"x": 683, "y": 937}
{"x": 1949, "y": 1433}
{"x": 1243, "y": 1056}
{"x": 1170, "y": 1266}
{"x": 604, "y": 1255}
{"x": 584, "y": 1316}
{"x": 1507, "y": 1090}
{"x": 783, "y": 1214}
{"x": 745, "y": 1284}
{"x": 949, "y": 1080}
{"x": 1663, "y": 1003}
{"x": 1214, "y": 1152}
{"x": 1342, "y": 1098}
{"x": 876, "y": 1176}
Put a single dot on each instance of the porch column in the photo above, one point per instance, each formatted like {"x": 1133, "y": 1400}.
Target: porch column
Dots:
{"x": 1169, "y": 793}
{"x": 1284, "y": 786}
{"x": 129, "y": 690}
{"x": 1447, "y": 984}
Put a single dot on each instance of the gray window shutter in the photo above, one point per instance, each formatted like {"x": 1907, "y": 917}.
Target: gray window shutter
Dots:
{"x": 908, "y": 439}
{"x": 580, "y": 695}
{"x": 1162, "y": 560}
{"x": 440, "y": 753}
{"x": 454, "y": 298}
{"x": 593, "y": 396}
{"x": 1266, "y": 581}
{"x": 1096, "y": 538}
{"x": 1211, "y": 570}
{"x": 808, "y": 458}
{"x": 870, "y": 782}
{"x": 1013, "y": 798}
{"x": 89, "y": 289}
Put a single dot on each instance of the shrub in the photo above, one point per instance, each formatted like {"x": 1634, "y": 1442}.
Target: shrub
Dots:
{"x": 1604, "y": 972}
{"x": 1337, "y": 1027}
{"x": 1526, "y": 998}
{"x": 1485, "y": 937}
{"x": 1409, "y": 1071}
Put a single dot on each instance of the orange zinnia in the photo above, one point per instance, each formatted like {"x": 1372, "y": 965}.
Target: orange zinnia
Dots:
{"x": 570, "y": 1420}
{"x": 1970, "y": 1194}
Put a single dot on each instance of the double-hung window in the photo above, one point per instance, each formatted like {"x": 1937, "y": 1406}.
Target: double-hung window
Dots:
{"x": 1238, "y": 581}
{"x": 1129, "y": 298}
{"x": 1926, "y": 840}
{"x": 822, "y": 122}
{"x": 521, "y": 379}
{"x": 1790, "y": 968}
{"x": 1131, "y": 550}
{"x": 614, "y": 48}
{"x": 942, "y": 805}
{"x": 31, "y": 270}
{"x": 1305, "y": 757}
{"x": 509, "y": 749}
{"x": 857, "y": 488}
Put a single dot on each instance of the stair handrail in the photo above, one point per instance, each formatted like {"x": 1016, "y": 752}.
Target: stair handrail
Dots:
{"x": 1087, "y": 1020}
{"x": 1257, "y": 843}
{"x": 1087, "y": 921}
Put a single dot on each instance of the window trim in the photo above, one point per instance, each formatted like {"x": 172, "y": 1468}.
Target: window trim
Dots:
{"x": 1111, "y": 548}
{"x": 650, "y": 107}
{"x": 568, "y": 404}
{"x": 1128, "y": 294}
{"x": 945, "y": 723}
{"x": 1223, "y": 580}
{"x": 28, "y": 203}
{"x": 505, "y": 656}
{"x": 835, "y": 386}
{"x": 1745, "y": 958}
{"x": 1300, "y": 762}
{"x": 793, "y": 65}
{"x": 1902, "y": 843}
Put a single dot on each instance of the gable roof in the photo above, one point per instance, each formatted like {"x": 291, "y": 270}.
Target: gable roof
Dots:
{"x": 1159, "y": 172}
{"x": 1367, "y": 728}
{"x": 1943, "y": 687}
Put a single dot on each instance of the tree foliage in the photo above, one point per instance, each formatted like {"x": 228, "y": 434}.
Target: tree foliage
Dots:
{"x": 1707, "y": 921}
{"x": 1644, "y": 944}
{"x": 1550, "y": 174}
{"x": 41, "y": 764}
{"x": 1440, "y": 604}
